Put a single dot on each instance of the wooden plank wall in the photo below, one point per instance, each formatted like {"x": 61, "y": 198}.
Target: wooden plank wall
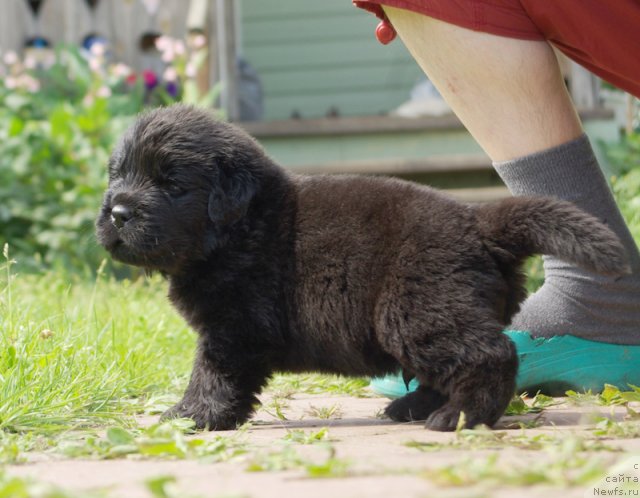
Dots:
{"x": 69, "y": 21}
{"x": 321, "y": 57}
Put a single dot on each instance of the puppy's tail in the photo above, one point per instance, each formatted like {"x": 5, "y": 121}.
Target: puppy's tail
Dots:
{"x": 519, "y": 227}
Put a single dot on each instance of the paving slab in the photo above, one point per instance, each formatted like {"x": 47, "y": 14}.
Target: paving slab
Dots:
{"x": 384, "y": 458}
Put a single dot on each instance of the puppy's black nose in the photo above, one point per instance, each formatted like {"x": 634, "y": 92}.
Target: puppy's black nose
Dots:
{"x": 120, "y": 215}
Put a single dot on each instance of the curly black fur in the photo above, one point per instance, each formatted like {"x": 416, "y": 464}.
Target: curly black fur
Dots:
{"x": 347, "y": 274}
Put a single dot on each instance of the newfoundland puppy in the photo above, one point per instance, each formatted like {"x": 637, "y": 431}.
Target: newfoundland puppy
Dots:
{"x": 353, "y": 275}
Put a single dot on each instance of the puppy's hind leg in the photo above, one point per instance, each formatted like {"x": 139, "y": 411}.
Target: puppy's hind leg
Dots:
{"x": 463, "y": 361}
{"x": 416, "y": 405}
{"x": 479, "y": 384}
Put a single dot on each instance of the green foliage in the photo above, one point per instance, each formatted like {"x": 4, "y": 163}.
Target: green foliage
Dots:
{"x": 483, "y": 438}
{"x": 610, "y": 396}
{"x": 58, "y": 125}
{"x": 625, "y": 429}
{"x": 624, "y": 155}
{"x": 79, "y": 354}
{"x": 287, "y": 458}
{"x": 54, "y": 147}
{"x": 518, "y": 405}
{"x": 283, "y": 385}
{"x": 17, "y": 487}
{"x": 561, "y": 465}
{"x": 160, "y": 441}
{"x": 325, "y": 412}
{"x": 625, "y": 159}
{"x": 312, "y": 437}
{"x": 626, "y": 189}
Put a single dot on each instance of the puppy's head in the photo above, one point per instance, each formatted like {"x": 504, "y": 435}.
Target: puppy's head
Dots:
{"x": 178, "y": 182}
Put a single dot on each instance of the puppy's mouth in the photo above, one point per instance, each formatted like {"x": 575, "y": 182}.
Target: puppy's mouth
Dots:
{"x": 124, "y": 252}
{"x": 120, "y": 251}
{"x": 112, "y": 241}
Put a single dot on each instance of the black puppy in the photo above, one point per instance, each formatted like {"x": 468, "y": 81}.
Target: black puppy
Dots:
{"x": 347, "y": 274}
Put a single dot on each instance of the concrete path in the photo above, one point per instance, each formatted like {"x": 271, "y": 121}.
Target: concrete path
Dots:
{"x": 383, "y": 459}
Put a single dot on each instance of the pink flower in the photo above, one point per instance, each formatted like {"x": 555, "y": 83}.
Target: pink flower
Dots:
{"x": 30, "y": 62}
{"x": 104, "y": 92}
{"x": 10, "y": 58}
{"x": 168, "y": 55}
{"x": 150, "y": 79}
{"x": 198, "y": 41}
{"x": 179, "y": 48}
{"x": 170, "y": 74}
{"x": 163, "y": 43}
{"x": 95, "y": 64}
{"x": 190, "y": 70}
{"x": 98, "y": 49}
{"x": 31, "y": 84}
{"x": 121, "y": 71}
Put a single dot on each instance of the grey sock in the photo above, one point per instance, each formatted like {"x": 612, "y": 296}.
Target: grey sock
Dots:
{"x": 572, "y": 300}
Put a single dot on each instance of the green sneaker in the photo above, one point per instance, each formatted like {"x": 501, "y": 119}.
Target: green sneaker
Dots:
{"x": 553, "y": 366}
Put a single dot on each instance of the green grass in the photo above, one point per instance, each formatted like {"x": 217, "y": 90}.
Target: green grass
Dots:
{"x": 77, "y": 354}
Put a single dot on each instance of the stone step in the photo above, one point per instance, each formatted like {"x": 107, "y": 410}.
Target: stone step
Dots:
{"x": 400, "y": 166}
{"x": 479, "y": 194}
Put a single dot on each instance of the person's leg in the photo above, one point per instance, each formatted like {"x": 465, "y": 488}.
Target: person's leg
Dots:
{"x": 510, "y": 95}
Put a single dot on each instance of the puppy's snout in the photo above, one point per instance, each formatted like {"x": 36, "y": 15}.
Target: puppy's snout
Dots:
{"x": 120, "y": 214}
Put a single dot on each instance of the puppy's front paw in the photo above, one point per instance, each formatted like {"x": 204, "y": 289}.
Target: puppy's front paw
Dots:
{"x": 204, "y": 416}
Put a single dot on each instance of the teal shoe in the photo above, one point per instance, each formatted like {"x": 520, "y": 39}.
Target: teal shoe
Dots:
{"x": 553, "y": 366}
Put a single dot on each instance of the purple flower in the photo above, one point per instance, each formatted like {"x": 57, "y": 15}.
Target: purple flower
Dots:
{"x": 172, "y": 89}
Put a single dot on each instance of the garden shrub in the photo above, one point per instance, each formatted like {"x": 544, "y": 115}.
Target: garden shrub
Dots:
{"x": 58, "y": 124}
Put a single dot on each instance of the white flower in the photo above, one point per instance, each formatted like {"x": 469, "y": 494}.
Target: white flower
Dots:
{"x": 10, "y": 82}
{"x": 33, "y": 85}
{"x": 104, "y": 92}
{"x": 170, "y": 74}
{"x": 179, "y": 47}
{"x": 98, "y": 48}
{"x": 190, "y": 70}
{"x": 198, "y": 41}
{"x": 10, "y": 58}
{"x": 168, "y": 55}
{"x": 163, "y": 43}
{"x": 30, "y": 62}
{"x": 121, "y": 70}
{"x": 29, "y": 83}
{"x": 95, "y": 64}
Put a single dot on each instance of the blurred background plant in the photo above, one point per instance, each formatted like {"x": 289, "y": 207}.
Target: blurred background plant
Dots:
{"x": 624, "y": 156}
{"x": 624, "y": 159}
{"x": 59, "y": 118}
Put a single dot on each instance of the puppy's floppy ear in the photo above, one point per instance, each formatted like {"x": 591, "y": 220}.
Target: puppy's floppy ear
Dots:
{"x": 230, "y": 197}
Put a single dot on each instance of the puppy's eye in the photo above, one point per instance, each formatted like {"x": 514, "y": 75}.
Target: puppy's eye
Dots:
{"x": 176, "y": 190}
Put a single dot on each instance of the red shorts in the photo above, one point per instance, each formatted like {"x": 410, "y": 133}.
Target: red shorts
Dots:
{"x": 603, "y": 36}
